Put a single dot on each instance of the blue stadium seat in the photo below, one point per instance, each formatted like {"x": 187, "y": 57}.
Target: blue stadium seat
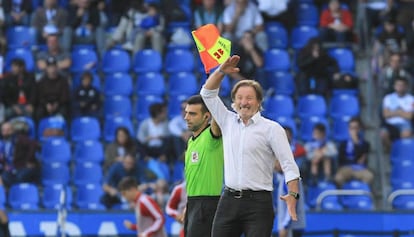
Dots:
{"x": 357, "y": 202}
{"x": 402, "y": 171}
{"x": 276, "y": 60}
{"x": 178, "y": 171}
{"x": 301, "y": 34}
{"x": 96, "y": 80}
{"x": 340, "y": 130}
{"x": 83, "y": 59}
{"x": 150, "y": 83}
{"x": 147, "y": 60}
{"x": 20, "y": 36}
{"x": 277, "y": 35}
{"x": 24, "y": 196}
{"x": 279, "y": 106}
{"x": 353, "y": 92}
{"x": 23, "y": 53}
{"x": 179, "y": 60}
{"x": 328, "y": 203}
{"x": 174, "y": 105}
{"x": 225, "y": 87}
{"x": 89, "y": 151}
{"x": 55, "y": 122}
{"x": 55, "y": 173}
{"x": 115, "y": 60}
{"x": 345, "y": 59}
{"x": 87, "y": 172}
{"x": 288, "y": 122}
{"x": 142, "y": 106}
{"x": 52, "y": 196}
{"x": 30, "y": 122}
{"x": 403, "y": 202}
{"x": 3, "y": 198}
{"x": 282, "y": 83}
{"x": 117, "y": 106}
{"x": 55, "y": 150}
{"x": 343, "y": 106}
{"x": 182, "y": 83}
{"x": 118, "y": 83}
{"x": 85, "y": 128}
{"x": 307, "y": 14}
{"x": 88, "y": 197}
{"x": 311, "y": 105}
{"x": 111, "y": 124}
{"x": 307, "y": 124}
{"x": 402, "y": 149}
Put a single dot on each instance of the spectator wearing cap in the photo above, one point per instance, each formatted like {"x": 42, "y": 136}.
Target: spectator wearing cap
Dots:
{"x": 53, "y": 93}
{"x": 54, "y": 49}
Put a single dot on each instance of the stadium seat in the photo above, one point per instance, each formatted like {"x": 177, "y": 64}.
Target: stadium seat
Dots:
{"x": 55, "y": 122}
{"x": 403, "y": 202}
{"x": 182, "y": 83}
{"x": 55, "y": 150}
{"x": 282, "y": 83}
{"x": 174, "y": 105}
{"x": 328, "y": 203}
{"x": 85, "y": 128}
{"x": 118, "y": 83}
{"x": 345, "y": 59}
{"x": 340, "y": 130}
{"x": 96, "y": 80}
{"x": 112, "y": 123}
{"x": 178, "y": 172}
{"x": 55, "y": 173}
{"x": 307, "y": 14}
{"x": 142, "y": 106}
{"x": 311, "y": 105}
{"x": 225, "y": 87}
{"x": 357, "y": 202}
{"x": 277, "y": 35}
{"x": 3, "y": 198}
{"x": 89, "y": 151}
{"x": 300, "y": 36}
{"x": 279, "y": 106}
{"x": 20, "y": 36}
{"x": 179, "y": 60}
{"x": 117, "y": 106}
{"x": 23, "y": 53}
{"x": 402, "y": 149}
{"x": 87, "y": 172}
{"x": 402, "y": 171}
{"x": 52, "y": 196}
{"x": 24, "y": 196}
{"x": 88, "y": 197}
{"x": 287, "y": 122}
{"x": 150, "y": 83}
{"x": 307, "y": 124}
{"x": 276, "y": 60}
{"x": 147, "y": 60}
{"x": 83, "y": 59}
{"x": 343, "y": 106}
{"x": 115, "y": 60}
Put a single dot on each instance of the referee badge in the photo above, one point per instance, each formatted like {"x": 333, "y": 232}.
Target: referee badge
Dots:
{"x": 194, "y": 157}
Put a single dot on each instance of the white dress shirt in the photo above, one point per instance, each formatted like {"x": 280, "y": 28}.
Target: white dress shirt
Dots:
{"x": 250, "y": 151}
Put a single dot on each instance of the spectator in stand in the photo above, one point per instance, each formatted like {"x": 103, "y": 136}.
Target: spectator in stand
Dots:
{"x": 7, "y": 144}
{"x": 116, "y": 151}
{"x": 17, "y": 12}
{"x": 84, "y": 20}
{"x": 410, "y": 47}
{"x": 52, "y": 19}
{"x": 277, "y": 11}
{"x": 176, "y": 205}
{"x": 179, "y": 132}
{"x": 209, "y": 12}
{"x": 316, "y": 69}
{"x": 117, "y": 171}
{"x": 87, "y": 101}
{"x": 19, "y": 90}
{"x": 149, "y": 217}
{"x": 53, "y": 49}
{"x": 153, "y": 133}
{"x": 2, "y": 17}
{"x": 378, "y": 10}
{"x": 53, "y": 95}
{"x": 392, "y": 70}
{"x": 397, "y": 112}
{"x": 320, "y": 150}
{"x": 298, "y": 150}
{"x": 353, "y": 155}
{"x": 251, "y": 59}
{"x": 141, "y": 22}
{"x": 336, "y": 23}
{"x": 24, "y": 168}
{"x": 390, "y": 40}
{"x": 117, "y": 9}
{"x": 241, "y": 16}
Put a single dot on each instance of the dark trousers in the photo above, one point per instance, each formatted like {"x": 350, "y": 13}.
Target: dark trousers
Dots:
{"x": 249, "y": 213}
{"x": 200, "y": 214}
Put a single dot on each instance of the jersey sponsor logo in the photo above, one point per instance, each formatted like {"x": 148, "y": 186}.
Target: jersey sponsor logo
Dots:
{"x": 194, "y": 157}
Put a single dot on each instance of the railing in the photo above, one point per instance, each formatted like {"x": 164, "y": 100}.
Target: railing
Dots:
{"x": 397, "y": 193}
{"x": 342, "y": 192}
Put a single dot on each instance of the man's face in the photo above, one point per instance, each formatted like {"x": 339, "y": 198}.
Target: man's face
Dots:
{"x": 194, "y": 117}
{"x": 245, "y": 102}
{"x": 128, "y": 163}
{"x": 129, "y": 195}
{"x": 6, "y": 130}
{"x": 400, "y": 87}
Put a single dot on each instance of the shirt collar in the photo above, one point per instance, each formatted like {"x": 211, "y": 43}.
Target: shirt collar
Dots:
{"x": 255, "y": 119}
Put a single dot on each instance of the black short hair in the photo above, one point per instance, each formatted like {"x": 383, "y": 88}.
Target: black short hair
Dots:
{"x": 197, "y": 100}
{"x": 320, "y": 127}
{"x": 127, "y": 183}
{"x": 156, "y": 109}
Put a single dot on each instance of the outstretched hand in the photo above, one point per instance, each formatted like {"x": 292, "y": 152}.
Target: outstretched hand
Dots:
{"x": 230, "y": 65}
{"x": 291, "y": 205}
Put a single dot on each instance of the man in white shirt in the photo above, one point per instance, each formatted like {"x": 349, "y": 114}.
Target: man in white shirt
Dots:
{"x": 252, "y": 144}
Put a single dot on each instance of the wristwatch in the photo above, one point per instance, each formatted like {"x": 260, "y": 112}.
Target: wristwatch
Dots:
{"x": 294, "y": 194}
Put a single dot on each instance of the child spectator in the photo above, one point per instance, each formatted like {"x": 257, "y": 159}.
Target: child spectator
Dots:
{"x": 87, "y": 98}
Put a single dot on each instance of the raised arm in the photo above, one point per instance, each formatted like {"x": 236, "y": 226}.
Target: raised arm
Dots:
{"x": 229, "y": 66}
{"x": 215, "y": 129}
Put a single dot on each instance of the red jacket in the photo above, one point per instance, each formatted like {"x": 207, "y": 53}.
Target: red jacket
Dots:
{"x": 327, "y": 18}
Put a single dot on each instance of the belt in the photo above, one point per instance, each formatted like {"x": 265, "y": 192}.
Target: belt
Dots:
{"x": 244, "y": 192}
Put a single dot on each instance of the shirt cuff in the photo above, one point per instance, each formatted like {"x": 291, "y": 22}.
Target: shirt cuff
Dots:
{"x": 209, "y": 93}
